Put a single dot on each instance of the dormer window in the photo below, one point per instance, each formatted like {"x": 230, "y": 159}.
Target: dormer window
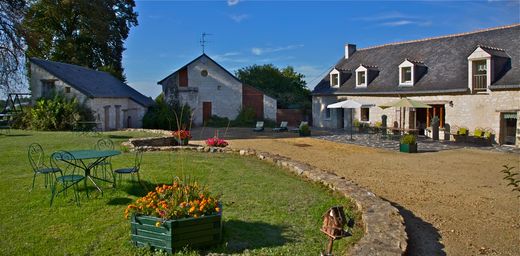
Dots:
{"x": 334, "y": 78}
{"x": 361, "y": 76}
{"x": 407, "y": 73}
{"x": 485, "y": 65}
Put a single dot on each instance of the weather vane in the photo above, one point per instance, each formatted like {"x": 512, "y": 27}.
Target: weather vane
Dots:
{"x": 203, "y": 41}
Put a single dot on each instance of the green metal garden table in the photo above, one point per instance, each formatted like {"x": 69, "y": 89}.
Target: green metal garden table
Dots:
{"x": 89, "y": 159}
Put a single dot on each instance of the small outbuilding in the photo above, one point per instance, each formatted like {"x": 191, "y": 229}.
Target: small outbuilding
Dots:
{"x": 115, "y": 104}
{"x": 209, "y": 89}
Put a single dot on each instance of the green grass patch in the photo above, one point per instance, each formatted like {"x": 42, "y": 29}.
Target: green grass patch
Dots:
{"x": 266, "y": 210}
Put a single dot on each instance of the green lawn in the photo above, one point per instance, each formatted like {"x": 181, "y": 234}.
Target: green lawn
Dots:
{"x": 267, "y": 211}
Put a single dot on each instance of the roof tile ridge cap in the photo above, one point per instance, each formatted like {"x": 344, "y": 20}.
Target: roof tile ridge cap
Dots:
{"x": 441, "y": 37}
{"x": 490, "y": 47}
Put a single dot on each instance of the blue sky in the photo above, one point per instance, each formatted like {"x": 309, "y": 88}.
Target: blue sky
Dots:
{"x": 308, "y": 35}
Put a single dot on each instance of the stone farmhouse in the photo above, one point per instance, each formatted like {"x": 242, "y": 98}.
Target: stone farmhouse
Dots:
{"x": 209, "y": 89}
{"x": 115, "y": 104}
{"x": 470, "y": 80}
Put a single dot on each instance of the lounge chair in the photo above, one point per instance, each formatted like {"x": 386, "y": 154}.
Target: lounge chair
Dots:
{"x": 297, "y": 129}
{"x": 259, "y": 126}
{"x": 283, "y": 127}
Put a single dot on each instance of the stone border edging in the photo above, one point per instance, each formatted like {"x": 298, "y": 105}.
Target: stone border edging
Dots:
{"x": 384, "y": 227}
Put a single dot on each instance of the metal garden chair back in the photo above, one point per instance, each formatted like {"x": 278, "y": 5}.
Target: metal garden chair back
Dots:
{"x": 106, "y": 165}
{"x": 37, "y": 158}
{"x": 70, "y": 174}
{"x": 131, "y": 170}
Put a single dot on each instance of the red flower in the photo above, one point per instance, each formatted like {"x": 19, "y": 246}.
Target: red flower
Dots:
{"x": 216, "y": 142}
{"x": 182, "y": 134}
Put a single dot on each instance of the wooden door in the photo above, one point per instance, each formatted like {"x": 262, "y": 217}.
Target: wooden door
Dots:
{"x": 206, "y": 111}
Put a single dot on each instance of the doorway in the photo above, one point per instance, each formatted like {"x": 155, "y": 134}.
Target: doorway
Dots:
{"x": 508, "y": 128}
{"x": 206, "y": 111}
{"x": 421, "y": 119}
{"x": 340, "y": 118}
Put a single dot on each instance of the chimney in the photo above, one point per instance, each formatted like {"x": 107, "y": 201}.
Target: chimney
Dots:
{"x": 349, "y": 50}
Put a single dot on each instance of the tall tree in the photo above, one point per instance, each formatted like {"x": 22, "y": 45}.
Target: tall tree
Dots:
{"x": 84, "y": 32}
{"x": 286, "y": 85}
{"x": 11, "y": 43}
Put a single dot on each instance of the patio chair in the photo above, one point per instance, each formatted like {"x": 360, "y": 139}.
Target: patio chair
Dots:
{"x": 106, "y": 165}
{"x": 69, "y": 176}
{"x": 283, "y": 127}
{"x": 131, "y": 170}
{"x": 259, "y": 126}
{"x": 37, "y": 161}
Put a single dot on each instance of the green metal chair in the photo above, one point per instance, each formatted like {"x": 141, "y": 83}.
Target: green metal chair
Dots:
{"x": 131, "y": 170}
{"x": 69, "y": 177}
{"x": 37, "y": 160}
{"x": 106, "y": 165}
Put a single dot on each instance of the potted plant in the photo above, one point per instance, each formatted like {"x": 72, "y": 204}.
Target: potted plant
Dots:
{"x": 408, "y": 144}
{"x": 304, "y": 130}
{"x": 216, "y": 142}
{"x": 182, "y": 137}
{"x": 175, "y": 216}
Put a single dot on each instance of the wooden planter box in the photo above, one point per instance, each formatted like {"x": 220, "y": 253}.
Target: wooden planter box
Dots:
{"x": 408, "y": 148}
{"x": 176, "y": 234}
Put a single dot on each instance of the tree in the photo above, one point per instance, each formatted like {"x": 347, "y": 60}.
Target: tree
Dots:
{"x": 83, "y": 32}
{"x": 11, "y": 43}
{"x": 286, "y": 85}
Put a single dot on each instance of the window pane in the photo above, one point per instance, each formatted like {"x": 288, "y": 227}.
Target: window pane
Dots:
{"x": 327, "y": 113}
{"x": 406, "y": 74}
{"x": 335, "y": 81}
{"x": 365, "y": 114}
{"x": 361, "y": 78}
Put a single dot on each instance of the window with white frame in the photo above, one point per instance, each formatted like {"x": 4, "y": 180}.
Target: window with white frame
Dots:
{"x": 361, "y": 78}
{"x": 479, "y": 75}
{"x": 334, "y": 78}
{"x": 406, "y": 73}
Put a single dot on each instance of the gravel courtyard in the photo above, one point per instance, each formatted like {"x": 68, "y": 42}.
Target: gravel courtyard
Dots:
{"x": 454, "y": 202}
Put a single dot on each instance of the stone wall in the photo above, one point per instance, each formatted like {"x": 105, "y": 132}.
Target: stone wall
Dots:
{"x": 384, "y": 227}
{"x": 471, "y": 111}
{"x": 270, "y": 108}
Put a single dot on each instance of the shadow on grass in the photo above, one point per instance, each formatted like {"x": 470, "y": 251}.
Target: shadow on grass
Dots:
{"x": 15, "y": 135}
{"x": 423, "y": 237}
{"x": 135, "y": 188}
{"x": 119, "y": 201}
{"x": 241, "y": 235}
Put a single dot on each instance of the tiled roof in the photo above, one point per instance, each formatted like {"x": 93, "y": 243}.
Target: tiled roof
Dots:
{"x": 444, "y": 58}
{"x": 96, "y": 84}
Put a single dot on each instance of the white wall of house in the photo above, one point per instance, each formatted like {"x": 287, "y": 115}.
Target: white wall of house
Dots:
{"x": 269, "y": 108}
{"x": 122, "y": 107}
{"x": 471, "y": 111}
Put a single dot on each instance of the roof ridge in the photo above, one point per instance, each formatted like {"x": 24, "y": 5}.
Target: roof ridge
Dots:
{"x": 441, "y": 37}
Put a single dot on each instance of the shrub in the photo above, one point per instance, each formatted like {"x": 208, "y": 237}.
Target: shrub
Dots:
{"x": 56, "y": 113}
{"x": 166, "y": 116}
{"x": 356, "y": 123}
{"x": 246, "y": 117}
{"x": 176, "y": 201}
{"x": 217, "y": 121}
{"x": 378, "y": 124}
{"x": 305, "y": 130}
{"x": 512, "y": 178}
{"x": 181, "y": 134}
{"x": 408, "y": 139}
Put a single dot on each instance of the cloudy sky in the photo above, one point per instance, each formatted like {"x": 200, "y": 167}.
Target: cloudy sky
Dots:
{"x": 308, "y": 35}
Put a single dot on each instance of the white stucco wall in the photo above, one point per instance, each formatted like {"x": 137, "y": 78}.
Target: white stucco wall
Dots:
{"x": 127, "y": 107}
{"x": 471, "y": 111}
{"x": 218, "y": 87}
{"x": 269, "y": 108}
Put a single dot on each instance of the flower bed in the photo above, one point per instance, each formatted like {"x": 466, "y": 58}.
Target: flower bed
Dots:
{"x": 182, "y": 137}
{"x": 216, "y": 142}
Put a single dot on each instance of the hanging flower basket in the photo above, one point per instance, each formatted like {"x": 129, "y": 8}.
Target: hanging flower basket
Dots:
{"x": 176, "y": 216}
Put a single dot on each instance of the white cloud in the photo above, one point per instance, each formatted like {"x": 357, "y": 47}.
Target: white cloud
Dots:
{"x": 260, "y": 51}
{"x": 313, "y": 74}
{"x": 230, "y": 57}
{"x": 238, "y": 17}
{"x": 397, "y": 23}
{"x": 232, "y": 2}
